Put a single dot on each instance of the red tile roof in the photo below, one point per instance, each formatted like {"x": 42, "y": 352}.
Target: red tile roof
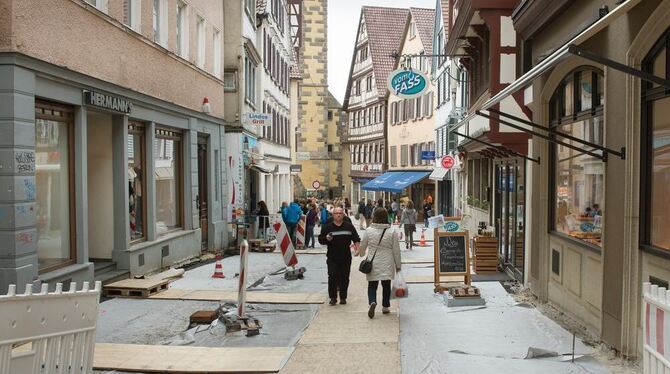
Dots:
{"x": 424, "y": 20}
{"x": 385, "y": 28}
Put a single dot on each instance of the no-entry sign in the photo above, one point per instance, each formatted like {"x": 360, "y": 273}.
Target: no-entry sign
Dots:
{"x": 316, "y": 185}
{"x": 448, "y": 162}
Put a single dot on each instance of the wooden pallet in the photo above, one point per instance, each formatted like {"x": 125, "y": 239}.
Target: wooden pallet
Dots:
{"x": 486, "y": 254}
{"x": 137, "y": 288}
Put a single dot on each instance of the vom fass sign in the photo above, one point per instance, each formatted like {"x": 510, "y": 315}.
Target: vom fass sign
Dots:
{"x": 407, "y": 83}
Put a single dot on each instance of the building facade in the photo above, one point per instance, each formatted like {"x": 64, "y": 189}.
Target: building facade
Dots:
{"x": 318, "y": 133}
{"x": 73, "y": 199}
{"x": 411, "y": 122}
{"x": 379, "y": 35}
{"x": 258, "y": 56}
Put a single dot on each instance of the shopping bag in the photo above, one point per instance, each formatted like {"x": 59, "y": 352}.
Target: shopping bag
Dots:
{"x": 399, "y": 287}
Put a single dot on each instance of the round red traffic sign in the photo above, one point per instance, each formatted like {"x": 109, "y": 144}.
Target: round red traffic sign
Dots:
{"x": 316, "y": 185}
{"x": 448, "y": 162}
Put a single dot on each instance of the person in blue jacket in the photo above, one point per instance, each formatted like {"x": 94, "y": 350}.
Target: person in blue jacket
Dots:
{"x": 291, "y": 215}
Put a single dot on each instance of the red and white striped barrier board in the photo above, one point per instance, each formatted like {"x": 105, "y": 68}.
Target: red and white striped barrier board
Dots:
{"x": 300, "y": 232}
{"x": 242, "y": 287}
{"x": 284, "y": 244}
{"x": 656, "y": 327}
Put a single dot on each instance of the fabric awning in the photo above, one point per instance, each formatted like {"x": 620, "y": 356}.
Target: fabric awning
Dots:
{"x": 395, "y": 181}
{"x": 378, "y": 183}
{"x": 560, "y": 54}
{"x": 439, "y": 174}
{"x": 261, "y": 169}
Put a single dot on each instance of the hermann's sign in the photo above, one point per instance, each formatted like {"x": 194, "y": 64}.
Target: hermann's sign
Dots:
{"x": 108, "y": 102}
{"x": 407, "y": 83}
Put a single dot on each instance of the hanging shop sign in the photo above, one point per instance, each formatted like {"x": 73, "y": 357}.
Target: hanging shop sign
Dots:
{"x": 407, "y": 83}
{"x": 296, "y": 168}
{"x": 107, "y": 102}
{"x": 448, "y": 162}
{"x": 257, "y": 119}
{"x": 427, "y": 155}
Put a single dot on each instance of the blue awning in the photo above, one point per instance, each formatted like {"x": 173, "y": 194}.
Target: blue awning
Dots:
{"x": 382, "y": 181}
{"x": 395, "y": 181}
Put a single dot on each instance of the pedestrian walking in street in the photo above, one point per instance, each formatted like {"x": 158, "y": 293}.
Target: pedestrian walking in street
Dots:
{"x": 291, "y": 215}
{"x": 338, "y": 236}
{"x": 263, "y": 219}
{"x": 408, "y": 222}
{"x": 360, "y": 214}
{"x": 369, "y": 208}
{"x": 394, "y": 208}
{"x": 347, "y": 207}
{"x": 383, "y": 249}
{"x": 311, "y": 221}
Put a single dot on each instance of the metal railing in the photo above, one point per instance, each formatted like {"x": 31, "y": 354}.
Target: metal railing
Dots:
{"x": 655, "y": 322}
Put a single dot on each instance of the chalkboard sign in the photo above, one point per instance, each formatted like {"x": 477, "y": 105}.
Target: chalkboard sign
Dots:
{"x": 452, "y": 254}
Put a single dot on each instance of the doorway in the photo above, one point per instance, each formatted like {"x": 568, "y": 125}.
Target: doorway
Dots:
{"x": 510, "y": 214}
{"x": 202, "y": 199}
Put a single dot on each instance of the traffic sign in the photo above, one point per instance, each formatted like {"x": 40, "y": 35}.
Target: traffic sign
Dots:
{"x": 448, "y": 162}
{"x": 316, "y": 185}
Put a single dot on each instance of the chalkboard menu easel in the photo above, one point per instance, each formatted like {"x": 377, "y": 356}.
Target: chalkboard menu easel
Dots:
{"x": 452, "y": 255}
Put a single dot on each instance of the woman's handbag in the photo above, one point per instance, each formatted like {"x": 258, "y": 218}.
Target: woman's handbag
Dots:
{"x": 366, "y": 265}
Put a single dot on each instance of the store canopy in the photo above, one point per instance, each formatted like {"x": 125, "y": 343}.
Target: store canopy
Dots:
{"x": 261, "y": 169}
{"x": 395, "y": 181}
{"x": 439, "y": 174}
{"x": 381, "y": 181}
{"x": 570, "y": 48}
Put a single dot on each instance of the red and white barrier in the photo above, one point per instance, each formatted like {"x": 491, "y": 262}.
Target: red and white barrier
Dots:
{"x": 300, "y": 232}
{"x": 656, "y": 327}
{"x": 284, "y": 244}
{"x": 242, "y": 286}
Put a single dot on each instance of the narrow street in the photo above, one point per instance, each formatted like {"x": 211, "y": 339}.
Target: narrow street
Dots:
{"x": 420, "y": 335}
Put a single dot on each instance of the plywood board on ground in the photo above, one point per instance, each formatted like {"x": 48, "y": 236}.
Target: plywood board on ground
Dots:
{"x": 184, "y": 359}
{"x": 431, "y": 279}
{"x": 345, "y": 358}
{"x": 137, "y": 283}
{"x": 252, "y": 297}
{"x": 352, "y": 328}
{"x": 312, "y": 251}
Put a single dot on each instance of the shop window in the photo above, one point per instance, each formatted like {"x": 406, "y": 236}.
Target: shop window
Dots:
{"x": 655, "y": 160}
{"x": 136, "y": 182}
{"x": 53, "y": 187}
{"x": 578, "y": 178}
{"x": 168, "y": 167}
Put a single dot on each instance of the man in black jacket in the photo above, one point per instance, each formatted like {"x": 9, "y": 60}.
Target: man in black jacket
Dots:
{"x": 338, "y": 235}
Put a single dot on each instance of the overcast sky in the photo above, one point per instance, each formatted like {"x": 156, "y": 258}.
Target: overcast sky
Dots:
{"x": 343, "y": 18}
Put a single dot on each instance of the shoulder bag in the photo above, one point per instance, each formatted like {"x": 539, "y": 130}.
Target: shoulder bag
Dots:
{"x": 366, "y": 265}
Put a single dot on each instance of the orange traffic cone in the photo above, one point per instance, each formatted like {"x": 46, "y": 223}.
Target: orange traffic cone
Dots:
{"x": 218, "y": 269}
{"x": 422, "y": 241}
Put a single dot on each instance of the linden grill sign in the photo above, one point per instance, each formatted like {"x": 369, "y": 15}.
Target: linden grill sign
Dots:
{"x": 103, "y": 101}
{"x": 407, "y": 83}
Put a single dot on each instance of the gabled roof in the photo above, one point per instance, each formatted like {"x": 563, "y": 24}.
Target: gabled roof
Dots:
{"x": 423, "y": 19}
{"x": 384, "y": 28}
{"x": 332, "y": 101}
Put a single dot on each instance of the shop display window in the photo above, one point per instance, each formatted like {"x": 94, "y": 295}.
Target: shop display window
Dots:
{"x": 168, "y": 174}
{"x": 578, "y": 178}
{"x": 655, "y": 160}
{"x": 136, "y": 182}
{"x": 52, "y": 189}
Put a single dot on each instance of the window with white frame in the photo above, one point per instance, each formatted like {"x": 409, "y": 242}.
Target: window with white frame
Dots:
{"x": 250, "y": 81}
{"x": 200, "y": 34}
{"x": 412, "y": 30}
{"x": 217, "y": 53}
{"x": 132, "y": 11}
{"x": 403, "y": 155}
{"x": 101, "y": 5}
{"x": 250, "y": 8}
{"x": 159, "y": 15}
{"x": 182, "y": 29}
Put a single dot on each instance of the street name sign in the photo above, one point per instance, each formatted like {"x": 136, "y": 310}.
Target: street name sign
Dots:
{"x": 427, "y": 155}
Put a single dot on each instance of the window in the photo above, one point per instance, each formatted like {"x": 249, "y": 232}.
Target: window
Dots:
{"x": 136, "y": 182}
{"x": 167, "y": 169}
{"x": 368, "y": 83}
{"x": 394, "y": 156}
{"x": 101, "y": 5}
{"x": 363, "y": 55}
{"x": 159, "y": 20}
{"x": 330, "y": 115}
{"x": 230, "y": 81}
{"x": 200, "y": 33}
{"x": 655, "y": 174}
{"x": 217, "y": 53}
{"x": 52, "y": 189}
{"x": 250, "y": 8}
{"x": 182, "y": 27}
{"x": 578, "y": 178}
{"x": 250, "y": 81}
{"x": 412, "y": 30}
{"x": 132, "y": 11}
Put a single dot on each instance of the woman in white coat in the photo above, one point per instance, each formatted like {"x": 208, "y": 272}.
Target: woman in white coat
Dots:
{"x": 381, "y": 241}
